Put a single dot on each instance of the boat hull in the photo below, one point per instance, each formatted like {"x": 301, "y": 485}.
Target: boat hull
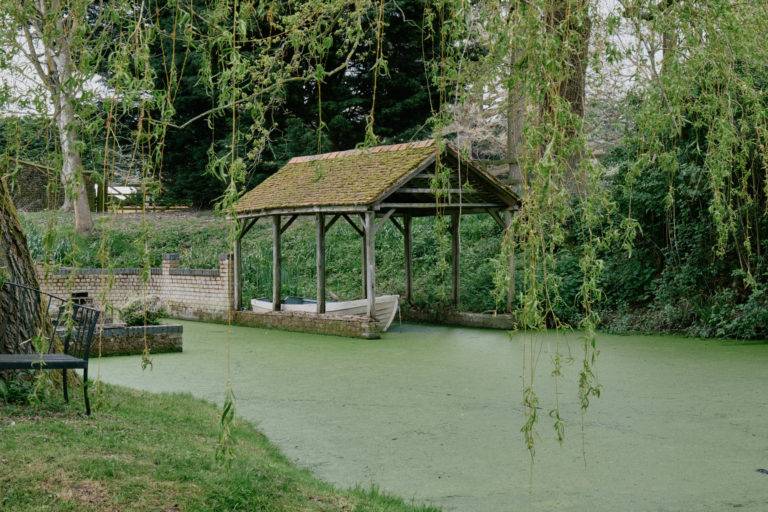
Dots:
{"x": 385, "y": 310}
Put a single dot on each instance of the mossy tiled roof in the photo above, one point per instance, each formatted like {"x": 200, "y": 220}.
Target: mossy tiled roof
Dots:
{"x": 356, "y": 177}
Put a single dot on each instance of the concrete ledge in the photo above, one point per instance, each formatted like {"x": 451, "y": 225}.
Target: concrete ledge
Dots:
{"x": 200, "y": 272}
{"x": 119, "y": 340}
{"x": 348, "y": 326}
{"x": 459, "y": 318}
{"x": 66, "y": 271}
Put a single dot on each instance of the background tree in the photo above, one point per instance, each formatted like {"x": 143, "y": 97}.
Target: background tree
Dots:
{"x": 333, "y": 113}
{"x": 691, "y": 173}
{"x": 57, "y": 43}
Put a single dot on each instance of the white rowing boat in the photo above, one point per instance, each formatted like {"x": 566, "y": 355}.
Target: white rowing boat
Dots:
{"x": 385, "y": 311}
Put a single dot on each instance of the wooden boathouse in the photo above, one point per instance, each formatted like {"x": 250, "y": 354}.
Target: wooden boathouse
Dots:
{"x": 365, "y": 188}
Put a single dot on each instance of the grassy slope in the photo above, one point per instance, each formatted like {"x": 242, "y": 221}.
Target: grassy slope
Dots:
{"x": 142, "y": 451}
{"x": 200, "y": 238}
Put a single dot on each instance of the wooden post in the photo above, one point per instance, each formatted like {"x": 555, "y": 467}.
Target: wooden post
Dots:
{"x": 364, "y": 260}
{"x": 320, "y": 263}
{"x": 237, "y": 278}
{"x": 510, "y": 264}
{"x": 455, "y": 251}
{"x": 276, "y": 285}
{"x": 408, "y": 242}
{"x": 370, "y": 261}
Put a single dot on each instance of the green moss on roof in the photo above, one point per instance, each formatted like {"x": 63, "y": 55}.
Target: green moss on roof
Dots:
{"x": 345, "y": 178}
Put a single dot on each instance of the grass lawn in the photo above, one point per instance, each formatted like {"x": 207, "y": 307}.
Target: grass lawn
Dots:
{"x": 145, "y": 451}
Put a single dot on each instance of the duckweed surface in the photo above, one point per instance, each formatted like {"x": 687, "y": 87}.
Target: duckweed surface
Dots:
{"x": 433, "y": 413}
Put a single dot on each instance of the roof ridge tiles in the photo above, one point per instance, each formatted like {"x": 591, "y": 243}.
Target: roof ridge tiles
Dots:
{"x": 360, "y": 151}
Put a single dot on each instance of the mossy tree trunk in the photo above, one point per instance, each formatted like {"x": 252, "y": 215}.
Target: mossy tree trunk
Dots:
{"x": 21, "y": 313}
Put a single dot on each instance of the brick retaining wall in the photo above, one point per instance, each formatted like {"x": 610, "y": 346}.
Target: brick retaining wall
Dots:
{"x": 190, "y": 294}
{"x": 113, "y": 340}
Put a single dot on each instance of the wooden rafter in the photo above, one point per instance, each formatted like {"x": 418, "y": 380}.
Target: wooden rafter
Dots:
{"x": 497, "y": 218}
{"x": 288, "y": 224}
{"x": 433, "y": 205}
{"x": 353, "y": 224}
{"x": 384, "y": 219}
{"x": 332, "y": 221}
{"x": 397, "y": 225}
{"x": 428, "y": 162}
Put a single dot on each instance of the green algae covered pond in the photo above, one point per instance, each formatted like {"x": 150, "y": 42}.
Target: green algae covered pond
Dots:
{"x": 433, "y": 414}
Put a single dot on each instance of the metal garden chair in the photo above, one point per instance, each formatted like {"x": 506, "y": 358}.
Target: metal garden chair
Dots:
{"x": 72, "y": 328}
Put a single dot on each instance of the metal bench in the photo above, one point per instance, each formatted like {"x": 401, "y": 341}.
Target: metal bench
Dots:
{"x": 73, "y": 325}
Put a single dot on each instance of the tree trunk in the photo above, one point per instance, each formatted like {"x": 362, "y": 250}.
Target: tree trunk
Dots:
{"x": 515, "y": 120}
{"x": 21, "y": 313}
{"x": 72, "y": 178}
{"x": 577, "y": 27}
{"x": 569, "y": 20}
{"x": 669, "y": 38}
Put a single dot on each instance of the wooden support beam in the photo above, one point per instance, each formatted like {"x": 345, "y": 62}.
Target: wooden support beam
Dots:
{"x": 353, "y": 224}
{"x": 386, "y": 206}
{"x": 370, "y": 262}
{"x": 408, "y": 243}
{"x": 320, "y": 263}
{"x": 305, "y": 210}
{"x": 497, "y": 218}
{"x": 417, "y": 190}
{"x": 384, "y": 219}
{"x": 397, "y": 225}
{"x": 237, "y": 279}
{"x": 455, "y": 253}
{"x": 276, "y": 285}
{"x": 510, "y": 263}
{"x": 332, "y": 221}
{"x": 237, "y": 282}
{"x": 247, "y": 225}
{"x": 288, "y": 224}
{"x": 364, "y": 260}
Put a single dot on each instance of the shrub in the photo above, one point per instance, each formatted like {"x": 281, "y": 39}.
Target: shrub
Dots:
{"x": 728, "y": 318}
{"x": 142, "y": 311}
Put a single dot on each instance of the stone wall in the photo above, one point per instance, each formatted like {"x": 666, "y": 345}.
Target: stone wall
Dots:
{"x": 113, "y": 340}
{"x": 191, "y": 294}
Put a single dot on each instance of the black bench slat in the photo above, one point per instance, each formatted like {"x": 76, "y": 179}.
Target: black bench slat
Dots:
{"x": 36, "y": 361}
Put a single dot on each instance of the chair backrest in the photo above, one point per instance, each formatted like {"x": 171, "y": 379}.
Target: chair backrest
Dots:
{"x": 72, "y": 324}
{"x": 76, "y": 329}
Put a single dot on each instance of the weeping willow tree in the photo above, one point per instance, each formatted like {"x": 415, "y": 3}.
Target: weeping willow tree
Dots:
{"x": 706, "y": 104}
{"x": 537, "y": 54}
{"x": 537, "y": 51}
{"x": 252, "y": 50}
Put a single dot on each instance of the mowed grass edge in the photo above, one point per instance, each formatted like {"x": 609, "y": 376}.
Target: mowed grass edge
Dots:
{"x": 145, "y": 451}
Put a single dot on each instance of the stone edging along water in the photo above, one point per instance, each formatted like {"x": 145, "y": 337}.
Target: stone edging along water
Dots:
{"x": 120, "y": 340}
{"x": 444, "y": 316}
